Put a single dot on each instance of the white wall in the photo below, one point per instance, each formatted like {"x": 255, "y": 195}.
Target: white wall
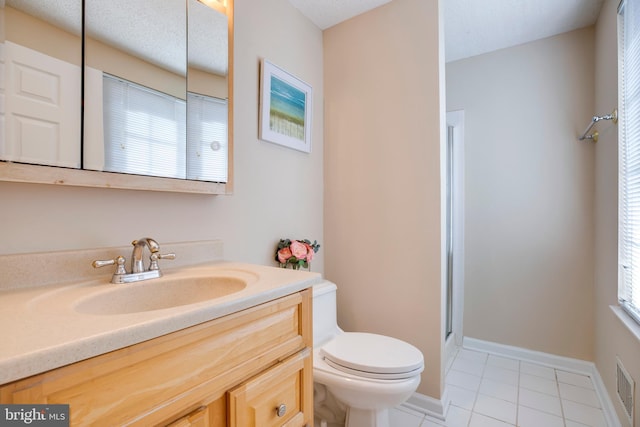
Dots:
{"x": 382, "y": 176}
{"x": 278, "y": 192}
{"x": 529, "y": 193}
{"x": 612, "y": 338}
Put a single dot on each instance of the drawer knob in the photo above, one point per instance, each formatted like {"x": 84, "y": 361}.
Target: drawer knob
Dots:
{"x": 281, "y": 410}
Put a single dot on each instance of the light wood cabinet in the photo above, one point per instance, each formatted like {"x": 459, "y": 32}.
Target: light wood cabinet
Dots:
{"x": 277, "y": 397}
{"x": 198, "y": 418}
{"x": 236, "y": 370}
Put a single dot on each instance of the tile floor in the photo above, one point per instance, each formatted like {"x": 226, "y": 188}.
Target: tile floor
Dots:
{"x": 493, "y": 391}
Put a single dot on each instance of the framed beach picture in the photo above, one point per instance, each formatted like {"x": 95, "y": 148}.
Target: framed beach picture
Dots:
{"x": 285, "y": 108}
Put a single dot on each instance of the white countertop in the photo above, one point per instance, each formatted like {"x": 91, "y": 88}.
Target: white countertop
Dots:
{"x": 43, "y": 329}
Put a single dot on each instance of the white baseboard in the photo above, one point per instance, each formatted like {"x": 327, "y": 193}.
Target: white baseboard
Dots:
{"x": 436, "y": 408}
{"x": 428, "y": 405}
{"x": 565, "y": 363}
{"x": 559, "y": 362}
{"x": 610, "y": 414}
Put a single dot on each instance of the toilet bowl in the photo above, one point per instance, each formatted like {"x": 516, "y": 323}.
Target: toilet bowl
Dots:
{"x": 367, "y": 373}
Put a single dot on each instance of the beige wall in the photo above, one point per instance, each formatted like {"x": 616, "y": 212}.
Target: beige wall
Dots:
{"x": 612, "y": 338}
{"x": 529, "y": 194}
{"x": 28, "y": 31}
{"x": 278, "y": 192}
{"x": 382, "y": 176}
{"x": 206, "y": 83}
{"x": 111, "y": 60}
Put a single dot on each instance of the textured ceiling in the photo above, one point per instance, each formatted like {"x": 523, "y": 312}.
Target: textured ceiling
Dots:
{"x": 154, "y": 30}
{"x": 327, "y": 13}
{"x": 65, "y": 14}
{"x": 473, "y": 27}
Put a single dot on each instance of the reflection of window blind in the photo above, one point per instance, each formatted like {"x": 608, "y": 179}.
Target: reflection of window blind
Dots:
{"x": 629, "y": 159}
{"x": 207, "y": 138}
{"x": 144, "y": 130}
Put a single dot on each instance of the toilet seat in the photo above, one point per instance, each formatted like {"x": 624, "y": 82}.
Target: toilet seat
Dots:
{"x": 372, "y": 356}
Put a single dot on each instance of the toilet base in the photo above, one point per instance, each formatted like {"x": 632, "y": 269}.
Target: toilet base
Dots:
{"x": 367, "y": 418}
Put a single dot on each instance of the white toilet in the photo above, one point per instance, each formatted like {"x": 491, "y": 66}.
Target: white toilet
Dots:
{"x": 367, "y": 374}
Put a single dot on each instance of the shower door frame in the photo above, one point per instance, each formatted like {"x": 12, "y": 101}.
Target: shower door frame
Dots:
{"x": 455, "y": 245}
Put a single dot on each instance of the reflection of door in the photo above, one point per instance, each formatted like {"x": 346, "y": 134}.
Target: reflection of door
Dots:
{"x": 42, "y": 109}
{"x": 454, "y": 225}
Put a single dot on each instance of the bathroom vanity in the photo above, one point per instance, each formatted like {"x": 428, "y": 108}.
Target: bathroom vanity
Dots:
{"x": 248, "y": 363}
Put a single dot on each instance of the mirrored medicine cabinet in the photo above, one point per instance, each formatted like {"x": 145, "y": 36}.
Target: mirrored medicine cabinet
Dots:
{"x": 139, "y": 97}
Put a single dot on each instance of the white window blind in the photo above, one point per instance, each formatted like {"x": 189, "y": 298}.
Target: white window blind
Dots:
{"x": 629, "y": 158}
{"x": 144, "y": 130}
{"x": 207, "y": 142}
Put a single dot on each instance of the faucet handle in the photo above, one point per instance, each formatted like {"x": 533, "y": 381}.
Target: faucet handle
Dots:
{"x": 118, "y": 261}
{"x": 156, "y": 256}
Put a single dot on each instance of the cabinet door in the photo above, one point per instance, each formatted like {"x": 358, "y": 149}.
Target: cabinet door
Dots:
{"x": 281, "y": 396}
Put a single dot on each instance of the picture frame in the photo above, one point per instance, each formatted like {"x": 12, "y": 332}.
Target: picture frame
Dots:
{"x": 285, "y": 108}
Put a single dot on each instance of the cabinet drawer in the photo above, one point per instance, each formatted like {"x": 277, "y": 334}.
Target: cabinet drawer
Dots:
{"x": 277, "y": 397}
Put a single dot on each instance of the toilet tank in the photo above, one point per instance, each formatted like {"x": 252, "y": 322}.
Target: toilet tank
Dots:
{"x": 325, "y": 325}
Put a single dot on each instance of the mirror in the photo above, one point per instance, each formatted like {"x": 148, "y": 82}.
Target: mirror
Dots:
{"x": 156, "y": 88}
{"x": 40, "y": 96}
{"x": 208, "y": 92}
{"x": 135, "y": 87}
{"x": 167, "y": 61}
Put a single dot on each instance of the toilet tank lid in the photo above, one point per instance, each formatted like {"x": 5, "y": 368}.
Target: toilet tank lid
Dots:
{"x": 324, "y": 287}
{"x": 372, "y": 353}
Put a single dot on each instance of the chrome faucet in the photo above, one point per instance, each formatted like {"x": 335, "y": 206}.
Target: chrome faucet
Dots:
{"x": 138, "y": 271}
{"x": 137, "y": 266}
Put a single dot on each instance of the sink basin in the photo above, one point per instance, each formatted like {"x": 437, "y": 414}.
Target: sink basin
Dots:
{"x": 158, "y": 294}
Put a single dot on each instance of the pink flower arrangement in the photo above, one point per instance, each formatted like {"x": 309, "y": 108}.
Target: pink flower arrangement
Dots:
{"x": 296, "y": 253}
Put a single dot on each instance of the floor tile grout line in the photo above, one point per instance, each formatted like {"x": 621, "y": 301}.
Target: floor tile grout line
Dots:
{"x": 518, "y": 393}
{"x": 556, "y": 380}
{"x": 564, "y": 419}
{"x": 477, "y": 393}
